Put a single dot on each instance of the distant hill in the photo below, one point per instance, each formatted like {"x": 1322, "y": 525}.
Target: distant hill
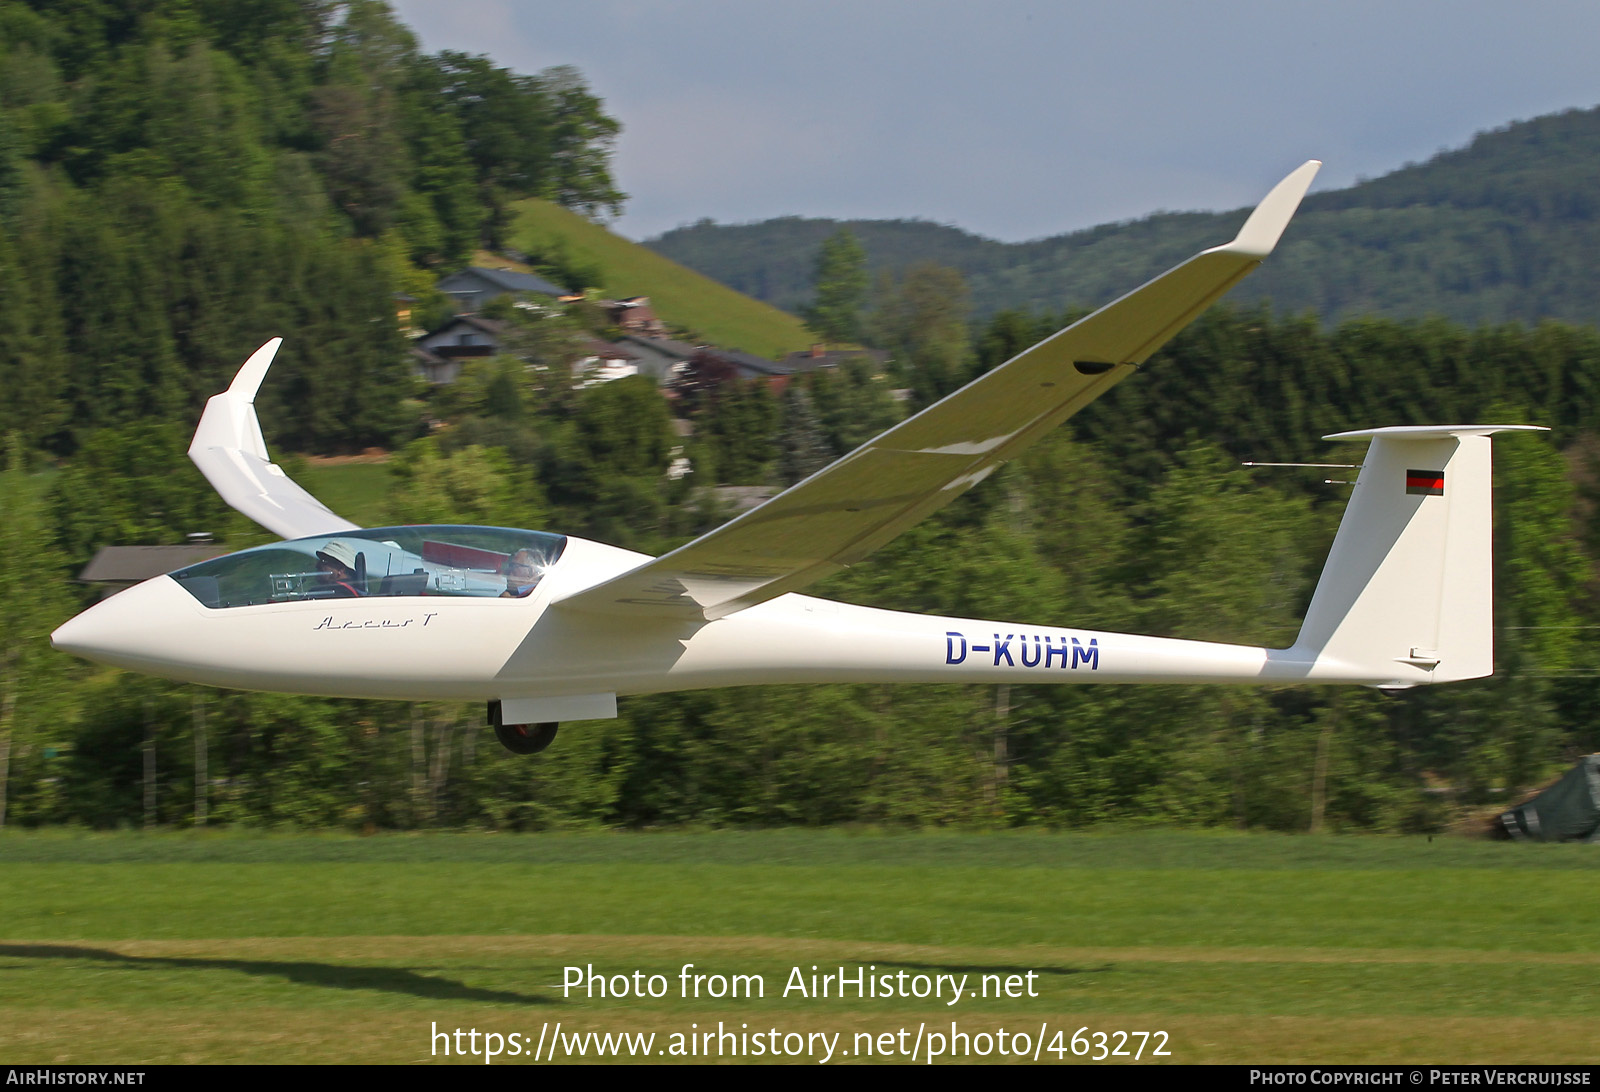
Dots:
{"x": 682, "y": 297}
{"x": 1506, "y": 228}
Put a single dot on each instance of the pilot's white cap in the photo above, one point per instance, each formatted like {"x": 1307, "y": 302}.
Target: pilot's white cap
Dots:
{"x": 340, "y": 553}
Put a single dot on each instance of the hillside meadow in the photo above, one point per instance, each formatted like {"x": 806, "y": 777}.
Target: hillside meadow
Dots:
{"x": 686, "y": 298}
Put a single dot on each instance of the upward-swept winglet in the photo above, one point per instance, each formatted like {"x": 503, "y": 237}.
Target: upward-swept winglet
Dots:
{"x": 230, "y": 451}
{"x": 1264, "y": 228}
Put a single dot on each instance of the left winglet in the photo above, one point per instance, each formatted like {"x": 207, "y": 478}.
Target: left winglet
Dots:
{"x": 1265, "y": 225}
{"x": 230, "y": 451}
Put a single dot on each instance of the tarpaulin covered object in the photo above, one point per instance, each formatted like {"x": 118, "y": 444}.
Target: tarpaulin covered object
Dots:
{"x": 1567, "y": 811}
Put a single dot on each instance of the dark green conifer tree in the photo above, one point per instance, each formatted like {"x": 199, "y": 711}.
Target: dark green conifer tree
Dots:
{"x": 841, "y": 289}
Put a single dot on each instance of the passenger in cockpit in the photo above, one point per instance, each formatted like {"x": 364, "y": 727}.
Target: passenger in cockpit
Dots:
{"x": 337, "y": 563}
{"x": 522, "y": 574}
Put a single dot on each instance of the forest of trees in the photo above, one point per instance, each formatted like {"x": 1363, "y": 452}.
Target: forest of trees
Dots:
{"x": 181, "y": 180}
{"x": 138, "y": 272}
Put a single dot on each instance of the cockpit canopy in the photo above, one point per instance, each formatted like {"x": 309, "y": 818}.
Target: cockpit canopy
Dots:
{"x": 432, "y": 559}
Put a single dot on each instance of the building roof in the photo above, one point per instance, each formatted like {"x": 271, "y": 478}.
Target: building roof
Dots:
{"x": 493, "y": 327}
{"x": 750, "y": 362}
{"x": 509, "y": 281}
{"x": 131, "y": 564}
{"x": 608, "y": 351}
{"x": 663, "y": 346}
{"x": 806, "y": 360}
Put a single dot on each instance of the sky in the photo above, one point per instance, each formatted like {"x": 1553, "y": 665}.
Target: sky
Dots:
{"x": 1019, "y": 119}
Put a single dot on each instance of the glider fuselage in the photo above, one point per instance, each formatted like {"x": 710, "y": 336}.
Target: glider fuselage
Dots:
{"x": 477, "y": 648}
{"x": 549, "y": 629}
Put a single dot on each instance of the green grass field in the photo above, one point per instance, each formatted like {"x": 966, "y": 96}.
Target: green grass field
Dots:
{"x": 253, "y": 947}
{"x": 681, "y": 296}
{"x": 357, "y": 491}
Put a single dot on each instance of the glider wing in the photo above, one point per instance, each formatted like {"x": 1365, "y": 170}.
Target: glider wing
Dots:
{"x": 842, "y": 513}
{"x": 230, "y": 451}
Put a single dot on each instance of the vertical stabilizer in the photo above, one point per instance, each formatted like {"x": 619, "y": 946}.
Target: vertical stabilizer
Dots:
{"x": 1408, "y": 590}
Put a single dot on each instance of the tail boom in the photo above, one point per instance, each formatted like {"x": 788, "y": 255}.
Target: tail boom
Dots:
{"x": 1406, "y": 599}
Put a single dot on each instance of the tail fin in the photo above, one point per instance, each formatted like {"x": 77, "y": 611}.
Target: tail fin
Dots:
{"x": 1407, "y": 594}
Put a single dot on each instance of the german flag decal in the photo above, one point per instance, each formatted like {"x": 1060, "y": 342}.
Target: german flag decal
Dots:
{"x": 1429, "y": 483}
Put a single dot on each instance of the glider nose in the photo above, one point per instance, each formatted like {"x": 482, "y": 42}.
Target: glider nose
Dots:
{"x": 116, "y": 630}
{"x": 103, "y": 628}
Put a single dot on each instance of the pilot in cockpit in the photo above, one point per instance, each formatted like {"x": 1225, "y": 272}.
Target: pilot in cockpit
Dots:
{"x": 337, "y": 563}
{"x": 522, "y": 574}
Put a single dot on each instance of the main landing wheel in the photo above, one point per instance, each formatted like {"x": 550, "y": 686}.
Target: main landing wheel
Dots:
{"x": 521, "y": 739}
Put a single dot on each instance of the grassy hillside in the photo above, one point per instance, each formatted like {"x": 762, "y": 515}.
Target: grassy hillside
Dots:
{"x": 682, "y": 297}
{"x": 1504, "y": 229}
{"x": 358, "y": 491}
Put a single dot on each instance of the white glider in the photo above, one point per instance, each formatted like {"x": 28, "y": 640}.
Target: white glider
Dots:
{"x": 548, "y": 628}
